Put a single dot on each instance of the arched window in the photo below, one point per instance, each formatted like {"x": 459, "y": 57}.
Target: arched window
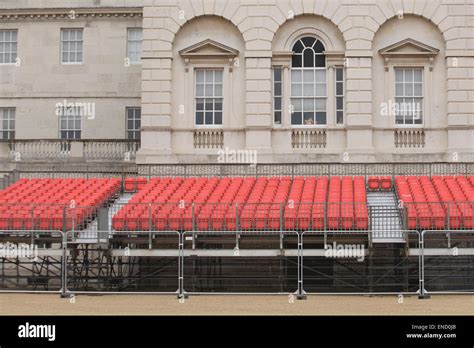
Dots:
{"x": 308, "y": 83}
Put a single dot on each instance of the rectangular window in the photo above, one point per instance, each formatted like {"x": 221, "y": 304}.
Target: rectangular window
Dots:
{"x": 8, "y": 46}
{"x": 308, "y": 96}
{"x": 409, "y": 96}
{"x": 134, "y": 45}
{"x": 209, "y": 97}
{"x": 7, "y": 123}
{"x": 133, "y": 123}
{"x": 71, "y": 45}
{"x": 339, "y": 95}
{"x": 277, "y": 94}
{"x": 70, "y": 122}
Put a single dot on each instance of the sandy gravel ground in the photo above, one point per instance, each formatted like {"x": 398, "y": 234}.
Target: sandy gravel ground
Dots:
{"x": 45, "y": 304}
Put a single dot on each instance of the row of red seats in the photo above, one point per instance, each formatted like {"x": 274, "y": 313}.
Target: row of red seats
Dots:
{"x": 44, "y": 203}
{"x": 134, "y": 184}
{"x": 258, "y": 204}
{"x": 383, "y": 183}
{"x": 437, "y": 202}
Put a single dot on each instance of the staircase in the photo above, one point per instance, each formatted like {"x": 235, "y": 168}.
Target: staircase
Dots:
{"x": 385, "y": 219}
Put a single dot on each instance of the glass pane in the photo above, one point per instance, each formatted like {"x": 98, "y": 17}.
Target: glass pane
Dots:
{"x": 199, "y": 76}
{"x": 277, "y": 117}
{"x": 398, "y": 75}
{"x": 399, "y": 89}
{"x": 308, "y": 90}
{"x": 296, "y": 103}
{"x": 340, "y": 117}
{"x": 200, "y": 104}
{"x": 298, "y": 47}
{"x": 218, "y": 76}
{"x": 320, "y": 75}
{"x": 339, "y": 89}
{"x": 418, "y": 90}
{"x": 296, "y": 90}
{"x": 308, "y": 105}
{"x": 399, "y": 119}
{"x": 208, "y": 90}
{"x": 209, "y": 76}
{"x": 320, "y": 61}
{"x": 418, "y": 75}
{"x": 339, "y": 74}
{"x": 218, "y": 90}
{"x": 339, "y": 103}
{"x": 218, "y": 105}
{"x": 130, "y": 124}
{"x": 209, "y": 104}
{"x": 277, "y": 104}
{"x": 320, "y": 90}
{"x": 296, "y": 118}
{"x": 208, "y": 118}
{"x": 277, "y": 74}
{"x": 277, "y": 89}
{"x": 319, "y": 47}
{"x": 408, "y": 89}
{"x": 296, "y": 76}
{"x": 308, "y": 41}
{"x": 308, "y": 76}
{"x": 408, "y": 75}
{"x": 199, "y": 118}
{"x": 321, "y": 104}
{"x": 308, "y": 58}
{"x": 308, "y": 118}
{"x": 296, "y": 61}
{"x": 320, "y": 118}
{"x": 77, "y": 124}
{"x": 218, "y": 118}
{"x": 199, "y": 90}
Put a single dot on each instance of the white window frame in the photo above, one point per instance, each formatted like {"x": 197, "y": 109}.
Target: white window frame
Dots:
{"x": 13, "y": 44}
{"x": 135, "y": 41}
{"x": 196, "y": 97}
{"x": 275, "y": 96}
{"x": 7, "y": 114}
{"x": 422, "y": 97}
{"x": 77, "y": 116}
{"x": 80, "y": 42}
{"x": 314, "y": 96}
{"x": 343, "y": 95}
{"x": 134, "y": 109}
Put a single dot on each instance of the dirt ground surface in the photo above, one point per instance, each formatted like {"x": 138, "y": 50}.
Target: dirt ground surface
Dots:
{"x": 46, "y": 304}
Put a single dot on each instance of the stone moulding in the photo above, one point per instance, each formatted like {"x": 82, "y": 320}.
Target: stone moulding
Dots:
{"x": 62, "y": 13}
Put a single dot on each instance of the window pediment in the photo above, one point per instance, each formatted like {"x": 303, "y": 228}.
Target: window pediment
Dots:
{"x": 408, "y": 48}
{"x": 208, "y": 49}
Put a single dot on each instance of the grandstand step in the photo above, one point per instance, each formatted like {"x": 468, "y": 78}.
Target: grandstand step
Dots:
{"x": 385, "y": 219}
{"x": 89, "y": 235}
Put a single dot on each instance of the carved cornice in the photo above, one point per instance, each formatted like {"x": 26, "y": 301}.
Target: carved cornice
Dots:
{"x": 71, "y": 14}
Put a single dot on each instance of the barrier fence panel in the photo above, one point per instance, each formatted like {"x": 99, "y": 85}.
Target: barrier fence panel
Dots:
{"x": 124, "y": 262}
{"x": 31, "y": 261}
{"x": 240, "y": 262}
{"x": 343, "y": 262}
{"x": 448, "y": 261}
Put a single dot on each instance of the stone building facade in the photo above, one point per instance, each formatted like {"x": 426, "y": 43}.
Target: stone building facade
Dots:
{"x": 296, "y": 81}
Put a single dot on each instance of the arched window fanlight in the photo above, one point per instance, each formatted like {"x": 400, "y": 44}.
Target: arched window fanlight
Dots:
{"x": 308, "y": 83}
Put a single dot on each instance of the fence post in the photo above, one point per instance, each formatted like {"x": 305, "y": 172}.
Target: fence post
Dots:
{"x": 149, "y": 227}
{"x": 181, "y": 293}
{"x": 64, "y": 292}
{"x": 422, "y": 292}
{"x": 300, "y": 294}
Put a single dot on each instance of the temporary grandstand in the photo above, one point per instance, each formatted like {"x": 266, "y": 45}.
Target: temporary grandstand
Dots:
{"x": 278, "y": 147}
{"x": 246, "y": 230}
